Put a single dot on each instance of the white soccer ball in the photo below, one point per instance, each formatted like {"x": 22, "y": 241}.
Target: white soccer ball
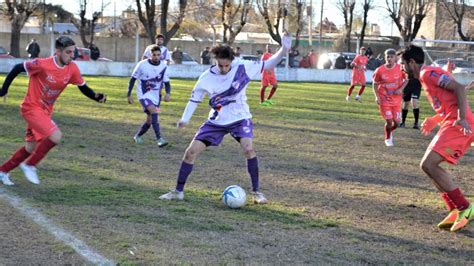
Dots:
{"x": 234, "y": 197}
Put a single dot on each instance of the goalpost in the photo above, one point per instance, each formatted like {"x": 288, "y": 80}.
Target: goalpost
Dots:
{"x": 443, "y": 49}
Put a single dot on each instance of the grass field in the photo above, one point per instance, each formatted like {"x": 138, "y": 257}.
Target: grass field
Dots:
{"x": 337, "y": 194}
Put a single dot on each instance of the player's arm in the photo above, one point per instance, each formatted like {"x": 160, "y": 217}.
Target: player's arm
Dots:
{"x": 374, "y": 88}
{"x": 273, "y": 61}
{"x": 197, "y": 96}
{"x": 17, "y": 69}
{"x": 168, "y": 91}
{"x": 98, "y": 97}
{"x": 460, "y": 91}
{"x": 430, "y": 123}
{"x": 131, "y": 83}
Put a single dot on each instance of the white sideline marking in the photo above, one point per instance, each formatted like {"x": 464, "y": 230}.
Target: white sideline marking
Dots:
{"x": 80, "y": 247}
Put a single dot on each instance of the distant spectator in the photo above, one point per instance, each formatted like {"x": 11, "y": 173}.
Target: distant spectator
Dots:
{"x": 305, "y": 62}
{"x": 206, "y": 56}
{"x": 33, "y": 49}
{"x": 95, "y": 52}
{"x": 177, "y": 56}
{"x": 340, "y": 62}
{"x": 313, "y": 58}
{"x": 237, "y": 52}
{"x": 292, "y": 54}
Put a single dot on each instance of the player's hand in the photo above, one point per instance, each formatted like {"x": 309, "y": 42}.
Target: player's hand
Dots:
{"x": 130, "y": 100}
{"x": 286, "y": 40}
{"x": 167, "y": 97}
{"x": 181, "y": 124}
{"x": 100, "y": 97}
{"x": 428, "y": 125}
{"x": 465, "y": 127}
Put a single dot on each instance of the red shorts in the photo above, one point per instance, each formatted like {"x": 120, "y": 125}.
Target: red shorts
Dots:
{"x": 390, "y": 112}
{"x": 451, "y": 143}
{"x": 268, "y": 80}
{"x": 39, "y": 124}
{"x": 358, "y": 77}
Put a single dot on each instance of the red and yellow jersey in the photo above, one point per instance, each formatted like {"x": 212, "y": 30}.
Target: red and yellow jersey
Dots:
{"x": 265, "y": 57}
{"x": 47, "y": 82}
{"x": 443, "y": 101}
{"x": 388, "y": 81}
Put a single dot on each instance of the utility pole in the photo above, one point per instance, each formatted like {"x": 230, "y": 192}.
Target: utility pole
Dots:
{"x": 321, "y": 28}
{"x": 310, "y": 23}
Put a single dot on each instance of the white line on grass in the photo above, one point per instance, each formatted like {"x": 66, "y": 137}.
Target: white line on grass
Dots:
{"x": 80, "y": 247}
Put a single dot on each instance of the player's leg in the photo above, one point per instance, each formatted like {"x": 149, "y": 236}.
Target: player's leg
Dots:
{"x": 388, "y": 132}
{"x": 349, "y": 92}
{"x": 153, "y": 116}
{"x": 262, "y": 93}
{"x": 361, "y": 90}
{"x": 272, "y": 92}
{"x": 142, "y": 130}
{"x": 416, "y": 112}
{"x": 18, "y": 157}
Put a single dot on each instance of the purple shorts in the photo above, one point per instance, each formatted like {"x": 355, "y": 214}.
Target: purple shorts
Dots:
{"x": 212, "y": 134}
{"x": 145, "y": 103}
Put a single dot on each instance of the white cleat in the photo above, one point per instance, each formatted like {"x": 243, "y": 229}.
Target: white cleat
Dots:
{"x": 358, "y": 98}
{"x": 30, "y": 173}
{"x": 259, "y": 198}
{"x": 6, "y": 179}
{"x": 173, "y": 195}
{"x": 389, "y": 142}
{"x": 348, "y": 98}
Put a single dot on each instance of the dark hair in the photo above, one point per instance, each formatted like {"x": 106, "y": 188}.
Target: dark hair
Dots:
{"x": 223, "y": 52}
{"x": 63, "y": 42}
{"x": 159, "y": 35}
{"x": 154, "y": 48}
{"x": 412, "y": 52}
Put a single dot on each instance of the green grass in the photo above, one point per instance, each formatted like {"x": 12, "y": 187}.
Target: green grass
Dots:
{"x": 323, "y": 165}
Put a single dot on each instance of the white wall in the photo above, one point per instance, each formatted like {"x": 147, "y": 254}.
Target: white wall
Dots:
{"x": 186, "y": 71}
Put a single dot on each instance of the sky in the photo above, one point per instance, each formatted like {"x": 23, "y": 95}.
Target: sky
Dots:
{"x": 377, "y": 15}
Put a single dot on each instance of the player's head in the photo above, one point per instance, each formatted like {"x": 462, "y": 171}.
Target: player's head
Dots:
{"x": 159, "y": 39}
{"x": 65, "y": 47}
{"x": 390, "y": 57}
{"x": 412, "y": 58}
{"x": 268, "y": 48}
{"x": 224, "y": 57}
{"x": 362, "y": 50}
{"x": 155, "y": 54}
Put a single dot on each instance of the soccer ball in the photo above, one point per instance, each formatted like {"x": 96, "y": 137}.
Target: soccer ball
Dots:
{"x": 234, "y": 197}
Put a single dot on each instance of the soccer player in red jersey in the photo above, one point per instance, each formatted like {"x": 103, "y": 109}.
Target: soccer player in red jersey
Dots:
{"x": 389, "y": 81}
{"x": 268, "y": 78}
{"x": 448, "y": 99}
{"x": 48, "y": 78}
{"x": 358, "y": 74}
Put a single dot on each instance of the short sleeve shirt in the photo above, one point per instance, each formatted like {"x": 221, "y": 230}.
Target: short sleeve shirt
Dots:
{"x": 212, "y": 83}
{"x": 443, "y": 101}
{"x": 150, "y": 80}
{"x": 389, "y": 80}
{"x": 47, "y": 82}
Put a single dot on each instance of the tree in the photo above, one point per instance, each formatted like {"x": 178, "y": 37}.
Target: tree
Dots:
{"x": 148, "y": 19}
{"x": 347, "y": 9}
{"x": 87, "y": 26}
{"x": 368, "y": 4}
{"x": 229, "y": 11}
{"x": 18, "y": 13}
{"x": 456, "y": 10}
{"x": 273, "y": 16}
{"x": 164, "y": 19}
{"x": 408, "y": 15}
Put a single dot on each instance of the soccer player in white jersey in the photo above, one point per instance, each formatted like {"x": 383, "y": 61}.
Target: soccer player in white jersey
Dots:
{"x": 165, "y": 53}
{"x": 225, "y": 83}
{"x": 151, "y": 74}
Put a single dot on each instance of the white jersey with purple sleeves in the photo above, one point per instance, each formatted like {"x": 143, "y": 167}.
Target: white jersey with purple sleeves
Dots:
{"x": 150, "y": 80}
{"x": 212, "y": 83}
{"x": 165, "y": 53}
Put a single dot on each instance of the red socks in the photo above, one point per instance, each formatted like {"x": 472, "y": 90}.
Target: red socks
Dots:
{"x": 362, "y": 88}
{"x": 18, "y": 157}
{"x": 349, "y": 91}
{"x": 262, "y": 94}
{"x": 42, "y": 148}
{"x": 447, "y": 201}
{"x": 458, "y": 199}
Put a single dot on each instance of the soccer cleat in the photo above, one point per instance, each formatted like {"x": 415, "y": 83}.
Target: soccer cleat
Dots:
{"x": 416, "y": 126}
{"x": 449, "y": 220}
{"x": 270, "y": 102}
{"x": 348, "y": 98}
{"x": 162, "y": 142}
{"x": 264, "y": 103}
{"x": 402, "y": 125}
{"x": 173, "y": 195}
{"x": 389, "y": 142}
{"x": 358, "y": 98}
{"x": 6, "y": 179}
{"x": 30, "y": 173}
{"x": 259, "y": 198}
{"x": 463, "y": 218}
{"x": 138, "y": 139}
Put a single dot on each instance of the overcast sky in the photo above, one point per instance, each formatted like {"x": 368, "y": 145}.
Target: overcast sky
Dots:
{"x": 377, "y": 15}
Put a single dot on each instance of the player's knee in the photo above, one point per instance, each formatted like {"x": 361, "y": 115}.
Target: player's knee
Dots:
{"x": 426, "y": 166}
{"x": 56, "y": 136}
{"x": 190, "y": 155}
{"x": 249, "y": 152}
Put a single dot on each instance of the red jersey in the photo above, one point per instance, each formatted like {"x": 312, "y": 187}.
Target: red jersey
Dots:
{"x": 265, "y": 57}
{"x": 443, "y": 101}
{"x": 47, "y": 82}
{"x": 388, "y": 81}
